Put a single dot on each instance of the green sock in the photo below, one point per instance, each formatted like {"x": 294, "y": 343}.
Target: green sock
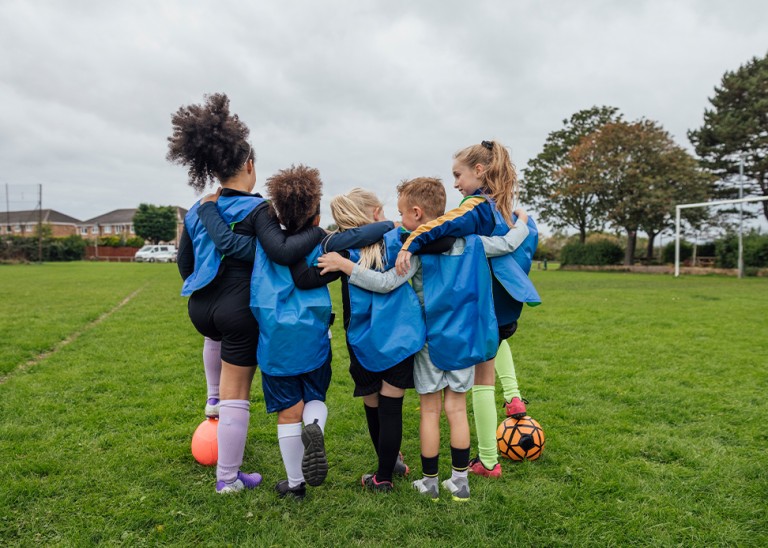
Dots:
{"x": 505, "y": 371}
{"x": 484, "y": 406}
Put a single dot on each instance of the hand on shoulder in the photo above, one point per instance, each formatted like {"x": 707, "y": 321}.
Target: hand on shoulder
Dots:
{"x": 211, "y": 197}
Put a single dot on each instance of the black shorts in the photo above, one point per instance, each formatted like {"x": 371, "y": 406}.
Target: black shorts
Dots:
{"x": 506, "y": 331}
{"x": 221, "y": 311}
{"x": 369, "y": 382}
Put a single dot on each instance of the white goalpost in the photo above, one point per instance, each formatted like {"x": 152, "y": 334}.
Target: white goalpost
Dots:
{"x": 707, "y": 204}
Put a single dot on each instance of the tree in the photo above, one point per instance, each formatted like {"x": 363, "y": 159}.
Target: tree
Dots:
{"x": 638, "y": 174}
{"x": 155, "y": 223}
{"x": 736, "y": 127}
{"x": 564, "y": 203}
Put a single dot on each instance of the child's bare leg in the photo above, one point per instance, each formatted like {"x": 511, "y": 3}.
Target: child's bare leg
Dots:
{"x": 431, "y": 407}
{"x": 486, "y": 419}
{"x": 429, "y": 428}
{"x": 456, "y": 411}
{"x": 371, "y": 406}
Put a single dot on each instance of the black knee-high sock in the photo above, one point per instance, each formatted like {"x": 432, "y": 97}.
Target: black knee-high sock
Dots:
{"x": 390, "y": 435}
{"x": 372, "y": 416}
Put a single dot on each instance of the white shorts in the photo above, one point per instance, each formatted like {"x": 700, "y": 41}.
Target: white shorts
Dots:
{"x": 429, "y": 379}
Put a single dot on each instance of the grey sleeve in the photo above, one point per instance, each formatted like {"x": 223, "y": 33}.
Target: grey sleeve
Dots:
{"x": 382, "y": 282}
{"x": 496, "y": 246}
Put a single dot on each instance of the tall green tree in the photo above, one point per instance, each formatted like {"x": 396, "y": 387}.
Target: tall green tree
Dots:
{"x": 562, "y": 202}
{"x": 737, "y": 126}
{"x": 638, "y": 174}
{"x": 155, "y": 223}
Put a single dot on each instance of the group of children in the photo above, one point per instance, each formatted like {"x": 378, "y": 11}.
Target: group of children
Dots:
{"x": 443, "y": 334}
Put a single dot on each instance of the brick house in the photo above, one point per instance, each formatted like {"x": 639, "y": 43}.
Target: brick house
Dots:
{"x": 24, "y": 223}
{"x": 120, "y": 223}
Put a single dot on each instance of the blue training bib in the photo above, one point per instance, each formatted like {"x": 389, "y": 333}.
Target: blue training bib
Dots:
{"x": 461, "y": 321}
{"x": 512, "y": 270}
{"x": 385, "y": 328}
{"x": 232, "y": 209}
{"x": 293, "y": 323}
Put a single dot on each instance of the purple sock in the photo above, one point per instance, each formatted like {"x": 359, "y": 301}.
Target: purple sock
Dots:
{"x": 212, "y": 364}
{"x": 233, "y": 429}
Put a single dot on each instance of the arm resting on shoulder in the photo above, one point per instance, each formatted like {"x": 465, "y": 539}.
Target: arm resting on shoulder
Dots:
{"x": 309, "y": 277}
{"x": 357, "y": 237}
{"x": 228, "y": 242}
{"x": 495, "y": 246}
{"x": 382, "y": 282}
{"x": 282, "y": 249}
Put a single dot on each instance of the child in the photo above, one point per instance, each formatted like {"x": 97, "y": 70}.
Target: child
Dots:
{"x": 444, "y": 367}
{"x": 383, "y": 334}
{"x": 295, "y": 378}
{"x": 212, "y": 142}
{"x": 485, "y": 175}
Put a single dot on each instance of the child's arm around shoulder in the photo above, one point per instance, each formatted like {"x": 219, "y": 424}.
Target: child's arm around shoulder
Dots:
{"x": 357, "y": 237}
{"x": 496, "y": 246}
{"x": 378, "y": 282}
{"x": 473, "y": 216}
{"x": 226, "y": 241}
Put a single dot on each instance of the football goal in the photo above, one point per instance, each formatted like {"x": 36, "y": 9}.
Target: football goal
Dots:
{"x": 680, "y": 207}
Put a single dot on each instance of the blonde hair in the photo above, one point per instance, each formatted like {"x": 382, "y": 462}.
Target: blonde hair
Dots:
{"x": 354, "y": 209}
{"x": 499, "y": 177}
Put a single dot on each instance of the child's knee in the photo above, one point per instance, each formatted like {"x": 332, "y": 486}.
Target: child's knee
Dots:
{"x": 291, "y": 415}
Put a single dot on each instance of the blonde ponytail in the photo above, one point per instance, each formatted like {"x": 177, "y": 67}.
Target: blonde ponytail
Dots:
{"x": 499, "y": 177}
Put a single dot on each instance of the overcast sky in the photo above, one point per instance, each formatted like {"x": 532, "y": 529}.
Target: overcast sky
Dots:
{"x": 369, "y": 92}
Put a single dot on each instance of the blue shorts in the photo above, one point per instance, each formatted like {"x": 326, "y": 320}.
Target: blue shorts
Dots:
{"x": 285, "y": 392}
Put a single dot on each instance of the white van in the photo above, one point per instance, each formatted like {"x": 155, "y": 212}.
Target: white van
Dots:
{"x": 165, "y": 253}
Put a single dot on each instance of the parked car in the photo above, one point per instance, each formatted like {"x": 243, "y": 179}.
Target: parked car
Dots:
{"x": 156, "y": 254}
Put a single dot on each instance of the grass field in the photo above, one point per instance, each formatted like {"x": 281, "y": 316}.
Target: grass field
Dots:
{"x": 651, "y": 390}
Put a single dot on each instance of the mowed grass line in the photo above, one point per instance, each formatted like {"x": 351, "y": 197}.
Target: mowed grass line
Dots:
{"x": 42, "y": 305}
{"x": 650, "y": 390}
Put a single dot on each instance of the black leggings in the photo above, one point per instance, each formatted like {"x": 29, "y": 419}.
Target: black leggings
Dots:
{"x": 221, "y": 311}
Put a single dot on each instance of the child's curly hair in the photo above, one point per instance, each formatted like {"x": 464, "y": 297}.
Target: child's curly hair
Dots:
{"x": 210, "y": 140}
{"x": 295, "y": 193}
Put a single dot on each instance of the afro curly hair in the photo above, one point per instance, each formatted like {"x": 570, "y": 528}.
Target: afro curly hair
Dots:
{"x": 210, "y": 140}
{"x": 295, "y": 193}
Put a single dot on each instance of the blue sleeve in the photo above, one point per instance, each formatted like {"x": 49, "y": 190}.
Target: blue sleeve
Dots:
{"x": 230, "y": 244}
{"x": 469, "y": 218}
{"x": 357, "y": 237}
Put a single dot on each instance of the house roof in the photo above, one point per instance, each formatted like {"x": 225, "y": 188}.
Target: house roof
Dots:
{"x": 124, "y": 216}
{"x": 50, "y": 216}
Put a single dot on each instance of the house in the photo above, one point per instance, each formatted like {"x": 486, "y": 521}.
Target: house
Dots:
{"x": 24, "y": 223}
{"x": 120, "y": 223}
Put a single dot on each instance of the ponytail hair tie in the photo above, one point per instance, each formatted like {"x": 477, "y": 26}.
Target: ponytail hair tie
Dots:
{"x": 487, "y": 144}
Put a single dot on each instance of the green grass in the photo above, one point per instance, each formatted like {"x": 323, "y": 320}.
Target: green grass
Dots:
{"x": 651, "y": 391}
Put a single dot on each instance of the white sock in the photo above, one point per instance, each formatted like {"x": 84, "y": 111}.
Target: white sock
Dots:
{"x": 292, "y": 450}
{"x": 315, "y": 409}
{"x": 456, "y": 474}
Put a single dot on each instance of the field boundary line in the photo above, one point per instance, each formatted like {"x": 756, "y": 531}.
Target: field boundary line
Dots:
{"x": 71, "y": 338}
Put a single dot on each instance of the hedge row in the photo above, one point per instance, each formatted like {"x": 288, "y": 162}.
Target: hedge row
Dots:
{"x": 725, "y": 251}
{"x": 19, "y": 248}
{"x": 601, "y": 252}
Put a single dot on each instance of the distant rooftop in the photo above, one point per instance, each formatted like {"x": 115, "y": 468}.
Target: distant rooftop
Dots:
{"x": 33, "y": 216}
